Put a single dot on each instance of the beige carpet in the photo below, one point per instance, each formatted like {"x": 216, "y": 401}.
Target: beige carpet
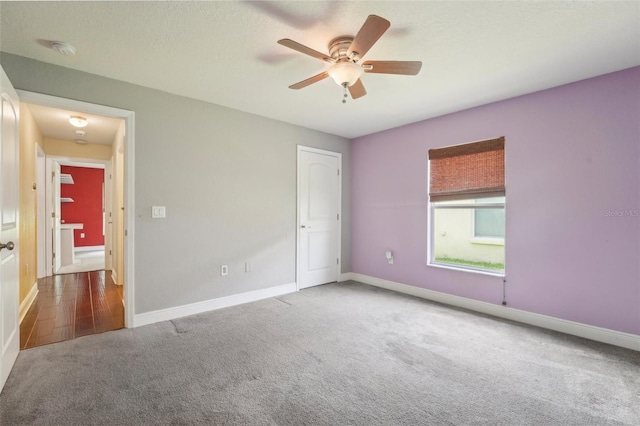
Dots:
{"x": 86, "y": 261}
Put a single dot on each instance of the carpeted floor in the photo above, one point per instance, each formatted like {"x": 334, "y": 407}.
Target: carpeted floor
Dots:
{"x": 339, "y": 354}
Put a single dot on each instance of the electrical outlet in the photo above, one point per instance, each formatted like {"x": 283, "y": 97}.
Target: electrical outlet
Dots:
{"x": 82, "y": 235}
{"x": 224, "y": 270}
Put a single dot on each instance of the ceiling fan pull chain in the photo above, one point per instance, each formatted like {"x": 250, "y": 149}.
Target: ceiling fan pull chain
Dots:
{"x": 344, "y": 96}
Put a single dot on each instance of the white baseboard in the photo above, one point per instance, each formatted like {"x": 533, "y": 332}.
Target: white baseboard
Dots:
{"x": 345, "y": 277}
{"x": 210, "y": 305}
{"x": 114, "y": 277}
{"x": 599, "y": 334}
{"x": 88, "y": 248}
{"x": 28, "y": 301}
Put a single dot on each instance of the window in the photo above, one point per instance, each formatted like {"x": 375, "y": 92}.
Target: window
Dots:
{"x": 488, "y": 223}
{"x": 467, "y": 206}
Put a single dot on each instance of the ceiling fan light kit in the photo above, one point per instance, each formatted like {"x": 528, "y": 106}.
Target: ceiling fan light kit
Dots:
{"x": 344, "y": 54}
{"x": 345, "y": 73}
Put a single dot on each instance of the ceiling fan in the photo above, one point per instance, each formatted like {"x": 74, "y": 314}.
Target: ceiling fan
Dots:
{"x": 345, "y": 53}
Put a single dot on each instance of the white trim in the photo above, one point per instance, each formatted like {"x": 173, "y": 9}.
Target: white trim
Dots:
{"x": 129, "y": 220}
{"x": 129, "y": 183}
{"x": 461, "y": 268}
{"x": 347, "y": 276}
{"x": 338, "y": 155}
{"x": 88, "y": 248}
{"x": 28, "y": 301}
{"x": 41, "y": 211}
{"x": 114, "y": 277}
{"x": 212, "y": 304}
{"x": 599, "y": 334}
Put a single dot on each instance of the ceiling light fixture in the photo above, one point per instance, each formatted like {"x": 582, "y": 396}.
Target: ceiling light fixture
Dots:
{"x": 63, "y": 48}
{"x": 78, "y": 121}
{"x": 81, "y": 142}
{"x": 345, "y": 74}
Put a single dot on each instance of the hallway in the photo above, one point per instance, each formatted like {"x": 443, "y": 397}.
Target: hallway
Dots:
{"x": 70, "y": 306}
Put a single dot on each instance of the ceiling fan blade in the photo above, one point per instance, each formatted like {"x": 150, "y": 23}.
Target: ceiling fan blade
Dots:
{"x": 306, "y": 50}
{"x": 370, "y": 32}
{"x": 393, "y": 67}
{"x": 304, "y": 83}
{"x": 357, "y": 89}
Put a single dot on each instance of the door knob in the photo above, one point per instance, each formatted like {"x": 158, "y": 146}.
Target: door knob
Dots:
{"x": 305, "y": 226}
{"x": 9, "y": 246}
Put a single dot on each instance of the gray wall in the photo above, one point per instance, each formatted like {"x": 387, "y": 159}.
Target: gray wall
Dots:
{"x": 227, "y": 178}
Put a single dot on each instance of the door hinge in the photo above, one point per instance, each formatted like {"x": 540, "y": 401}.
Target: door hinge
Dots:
{"x": 338, "y": 172}
{"x": 109, "y": 252}
{"x": 53, "y": 214}
{"x": 53, "y": 175}
{"x": 126, "y": 233}
{"x": 54, "y": 255}
{"x": 338, "y": 216}
{"x": 337, "y": 261}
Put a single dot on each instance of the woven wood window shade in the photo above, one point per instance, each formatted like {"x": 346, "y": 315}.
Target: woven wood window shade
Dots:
{"x": 473, "y": 170}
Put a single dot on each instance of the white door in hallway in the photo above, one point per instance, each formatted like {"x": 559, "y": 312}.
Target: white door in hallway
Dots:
{"x": 319, "y": 192}
{"x": 56, "y": 216}
{"x": 9, "y": 265}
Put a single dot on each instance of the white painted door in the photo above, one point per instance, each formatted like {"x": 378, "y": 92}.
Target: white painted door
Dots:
{"x": 108, "y": 216}
{"x": 318, "y": 216}
{"x": 9, "y": 265}
{"x": 56, "y": 216}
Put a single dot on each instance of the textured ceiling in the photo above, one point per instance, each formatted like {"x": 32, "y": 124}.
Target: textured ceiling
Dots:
{"x": 226, "y": 53}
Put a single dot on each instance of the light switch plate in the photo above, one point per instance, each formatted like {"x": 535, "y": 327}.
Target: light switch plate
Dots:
{"x": 158, "y": 212}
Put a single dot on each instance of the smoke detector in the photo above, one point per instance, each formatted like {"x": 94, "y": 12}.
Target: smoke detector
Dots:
{"x": 63, "y": 48}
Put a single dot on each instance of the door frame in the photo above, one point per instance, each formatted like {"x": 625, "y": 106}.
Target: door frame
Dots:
{"x": 129, "y": 183}
{"x": 41, "y": 179}
{"x": 49, "y": 229}
{"x": 338, "y": 155}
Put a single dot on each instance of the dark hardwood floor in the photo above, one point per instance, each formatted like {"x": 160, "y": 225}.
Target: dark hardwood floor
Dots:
{"x": 70, "y": 306}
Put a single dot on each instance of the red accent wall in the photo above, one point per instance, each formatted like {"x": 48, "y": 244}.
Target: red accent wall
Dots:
{"x": 87, "y": 204}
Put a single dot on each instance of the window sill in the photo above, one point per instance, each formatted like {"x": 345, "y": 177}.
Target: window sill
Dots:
{"x": 452, "y": 267}
{"x": 487, "y": 241}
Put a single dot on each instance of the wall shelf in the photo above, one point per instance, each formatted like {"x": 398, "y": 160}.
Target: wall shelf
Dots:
{"x": 66, "y": 178}
{"x": 66, "y": 200}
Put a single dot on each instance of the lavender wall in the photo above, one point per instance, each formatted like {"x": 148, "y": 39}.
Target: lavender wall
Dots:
{"x": 572, "y": 166}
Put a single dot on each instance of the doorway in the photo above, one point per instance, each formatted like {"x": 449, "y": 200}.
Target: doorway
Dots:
{"x": 79, "y": 201}
{"x": 319, "y": 216}
{"x": 126, "y": 196}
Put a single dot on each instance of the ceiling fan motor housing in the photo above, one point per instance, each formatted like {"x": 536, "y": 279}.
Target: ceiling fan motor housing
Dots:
{"x": 338, "y": 48}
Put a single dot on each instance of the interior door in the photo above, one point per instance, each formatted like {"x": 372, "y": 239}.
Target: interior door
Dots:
{"x": 318, "y": 216}
{"x": 108, "y": 216}
{"x": 9, "y": 265}
{"x": 56, "y": 215}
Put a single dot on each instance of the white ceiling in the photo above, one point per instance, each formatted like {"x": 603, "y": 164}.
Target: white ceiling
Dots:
{"x": 226, "y": 53}
{"x": 54, "y": 123}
